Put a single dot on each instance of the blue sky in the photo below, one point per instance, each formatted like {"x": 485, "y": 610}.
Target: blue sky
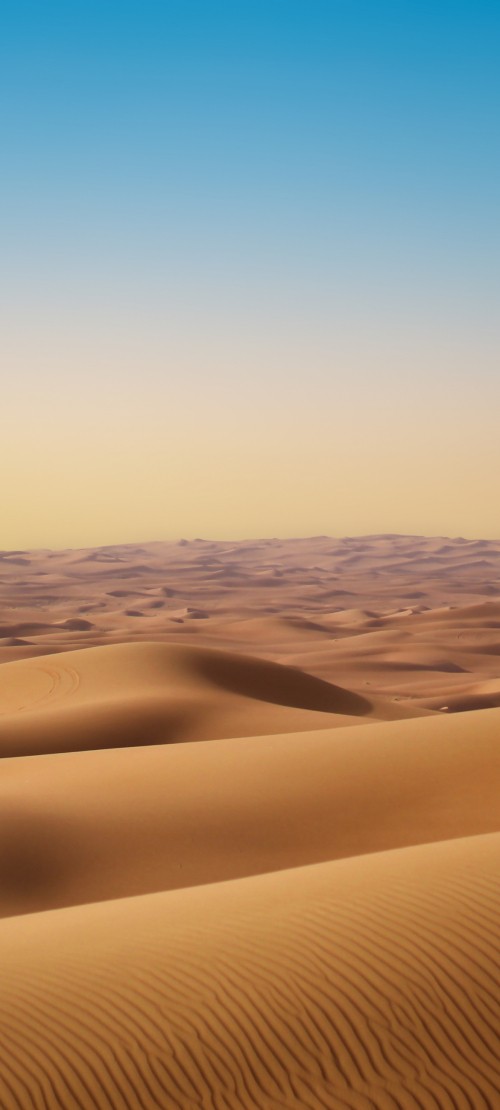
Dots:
{"x": 203, "y": 200}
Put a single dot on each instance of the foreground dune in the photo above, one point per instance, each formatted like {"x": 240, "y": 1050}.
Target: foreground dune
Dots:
{"x": 86, "y": 826}
{"x": 371, "y": 982}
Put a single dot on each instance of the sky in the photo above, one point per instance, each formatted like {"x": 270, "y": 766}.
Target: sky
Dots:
{"x": 250, "y": 269}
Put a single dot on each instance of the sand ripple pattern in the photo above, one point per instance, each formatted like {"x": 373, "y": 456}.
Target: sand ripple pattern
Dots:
{"x": 365, "y": 983}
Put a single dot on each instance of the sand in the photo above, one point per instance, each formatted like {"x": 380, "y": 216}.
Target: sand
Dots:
{"x": 411, "y": 621}
{"x": 247, "y": 857}
{"x": 361, "y": 983}
{"x": 85, "y": 826}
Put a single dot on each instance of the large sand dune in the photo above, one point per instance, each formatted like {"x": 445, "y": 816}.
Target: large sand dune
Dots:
{"x": 93, "y": 825}
{"x": 250, "y": 827}
{"x": 371, "y": 982}
{"x": 133, "y": 694}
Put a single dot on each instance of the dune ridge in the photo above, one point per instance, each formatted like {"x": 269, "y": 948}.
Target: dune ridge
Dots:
{"x": 134, "y": 694}
{"x": 85, "y": 826}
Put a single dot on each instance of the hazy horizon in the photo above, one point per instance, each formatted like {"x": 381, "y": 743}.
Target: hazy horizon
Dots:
{"x": 251, "y": 280}
{"x": 241, "y": 540}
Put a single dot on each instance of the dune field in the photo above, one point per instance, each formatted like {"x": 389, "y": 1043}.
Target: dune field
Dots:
{"x": 250, "y": 825}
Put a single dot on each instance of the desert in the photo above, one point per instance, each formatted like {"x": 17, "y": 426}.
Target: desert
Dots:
{"x": 250, "y": 830}
{"x": 249, "y": 555}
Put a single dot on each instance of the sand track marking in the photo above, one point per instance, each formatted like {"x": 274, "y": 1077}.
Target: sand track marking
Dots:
{"x": 63, "y": 681}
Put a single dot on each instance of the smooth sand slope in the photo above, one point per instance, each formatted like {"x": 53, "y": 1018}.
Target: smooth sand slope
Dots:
{"x": 106, "y": 824}
{"x": 372, "y": 982}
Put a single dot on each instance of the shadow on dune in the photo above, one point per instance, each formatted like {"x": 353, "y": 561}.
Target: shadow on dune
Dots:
{"x": 262, "y": 680}
{"x": 150, "y": 693}
{"x": 445, "y": 667}
{"x": 466, "y": 703}
{"x": 114, "y": 723}
{"x": 34, "y": 861}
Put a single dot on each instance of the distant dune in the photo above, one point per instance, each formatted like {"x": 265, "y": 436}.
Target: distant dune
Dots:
{"x": 249, "y": 826}
{"x": 350, "y": 611}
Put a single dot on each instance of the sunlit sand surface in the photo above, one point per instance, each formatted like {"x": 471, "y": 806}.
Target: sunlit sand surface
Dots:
{"x": 250, "y": 826}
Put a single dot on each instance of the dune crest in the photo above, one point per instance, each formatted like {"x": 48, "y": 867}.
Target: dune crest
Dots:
{"x": 86, "y": 826}
{"x": 134, "y": 694}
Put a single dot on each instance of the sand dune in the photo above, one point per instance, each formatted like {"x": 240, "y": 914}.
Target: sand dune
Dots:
{"x": 105, "y": 824}
{"x": 302, "y": 601}
{"x": 371, "y": 982}
{"x": 134, "y": 694}
{"x": 249, "y": 825}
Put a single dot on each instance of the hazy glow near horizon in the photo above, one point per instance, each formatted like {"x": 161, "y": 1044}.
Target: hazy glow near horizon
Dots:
{"x": 251, "y": 275}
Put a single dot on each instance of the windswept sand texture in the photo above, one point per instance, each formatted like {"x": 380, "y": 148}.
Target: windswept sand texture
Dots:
{"x": 250, "y": 826}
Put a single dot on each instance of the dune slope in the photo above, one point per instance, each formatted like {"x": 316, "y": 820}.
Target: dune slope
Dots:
{"x": 133, "y": 694}
{"x": 87, "y": 826}
{"x": 371, "y": 982}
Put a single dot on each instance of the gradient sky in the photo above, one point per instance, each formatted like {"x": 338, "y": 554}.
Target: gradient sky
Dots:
{"x": 250, "y": 268}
